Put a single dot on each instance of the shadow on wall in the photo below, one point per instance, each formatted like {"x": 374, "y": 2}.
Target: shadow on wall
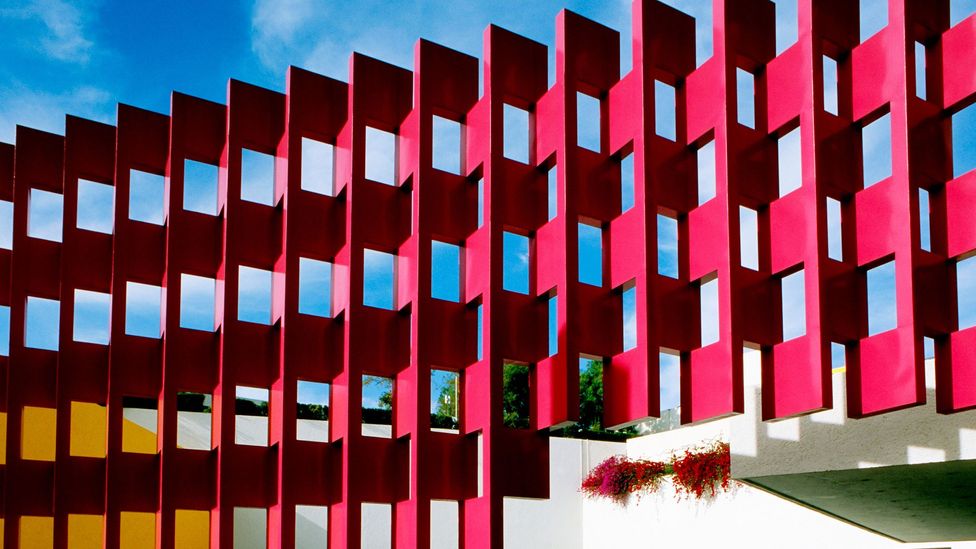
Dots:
{"x": 829, "y": 440}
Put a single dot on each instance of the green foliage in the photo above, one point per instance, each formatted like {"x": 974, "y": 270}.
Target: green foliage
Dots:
{"x": 590, "y": 424}
{"x": 515, "y": 396}
{"x": 384, "y": 384}
{"x": 317, "y": 412}
{"x": 248, "y": 407}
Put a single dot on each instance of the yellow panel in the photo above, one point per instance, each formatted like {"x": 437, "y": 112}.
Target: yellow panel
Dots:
{"x": 85, "y": 531}
{"x": 36, "y": 532}
{"x": 192, "y": 529}
{"x": 137, "y": 439}
{"x": 137, "y": 530}
{"x": 88, "y": 429}
{"x": 38, "y": 435}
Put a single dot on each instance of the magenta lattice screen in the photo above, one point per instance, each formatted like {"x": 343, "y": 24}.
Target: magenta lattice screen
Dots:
{"x": 879, "y": 223}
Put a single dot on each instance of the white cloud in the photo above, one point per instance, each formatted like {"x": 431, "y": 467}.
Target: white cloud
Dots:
{"x": 46, "y": 110}
{"x": 275, "y": 27}
{"x": 66, "y": 31}
{"x": 62, "y": 25}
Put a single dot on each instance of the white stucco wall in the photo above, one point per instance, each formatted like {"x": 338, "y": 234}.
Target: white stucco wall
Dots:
{"x": 749, "y": 517}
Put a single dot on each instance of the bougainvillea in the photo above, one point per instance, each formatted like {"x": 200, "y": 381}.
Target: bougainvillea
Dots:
{"x": 697, "y": 472}
{"x": 703, "y": 469}
{"x": 618, "y": 476}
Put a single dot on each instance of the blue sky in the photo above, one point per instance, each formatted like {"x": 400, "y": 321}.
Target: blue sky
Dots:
{"x": 83, "y": 57}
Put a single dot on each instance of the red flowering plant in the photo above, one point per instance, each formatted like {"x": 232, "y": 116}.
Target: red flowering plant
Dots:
{"x": 699, "y": 472}
{"x": 702, "y": 470}
{"x": 618, "y": 476}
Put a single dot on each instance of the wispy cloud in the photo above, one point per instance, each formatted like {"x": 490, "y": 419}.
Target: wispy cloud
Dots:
{"x": 63, "y": 28}
{"x": 45, "y": 110}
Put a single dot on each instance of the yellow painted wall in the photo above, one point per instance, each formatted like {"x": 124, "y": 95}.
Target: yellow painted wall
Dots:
{"x": 87, "y": 438}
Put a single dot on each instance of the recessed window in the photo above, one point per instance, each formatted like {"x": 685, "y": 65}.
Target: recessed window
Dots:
{"x": 552, "y": 192}
{"x": 45, "y": 215}
{"x": 627, "y": 177}
{"x": 591, "y": 385}
{"x": 311, "y": 526}
{"x": 924, "y": 221}
{"x": 447, "y": 145}
{"x": 92, "y": 313}
{"x": 197, "y": 302}
{"x": 200, "y": 187}
{"x": 876, "y": 150}
{"x": 874, "y": 17}
{"x": 587, "y": 122}
{"x": 481, "y": 319}
{"x": 250, "y": 528}
{"x": 745, "y": 92}
{"x": 251, "y": 416}
{"x": 147, "y": 197}
{"x": 377, "y": 406}
{"x": 380, "y": 156}
{"x": 38, "y": 433}
{"x": 143, "y": 305}
{"x": 313, "y": 411}
{"x": 515, "y": 133}
{"x": 830, "y": 84}
{"x": 552, "y": 324}
{"x": 835, "y": 241}
{"x": 793, "y": 295}
{"x": 790, "y": 162}
{"x": 318, "y": 167}
{"x": 882, "y": 299}
{"x": 708, "y": 298}
{"x": 140, "y": 422}
{"x": 706, "y": 172}
{"x": 669, "y": 368}
{"x": 966, "y": 292}
{"x": 515, "y": 395}
{"x": 194, "y": 422}
{"x": 96, "y": 206}
{"x": 89, "y": 429}
{"x": 254, "y": 295}
{"x": 445, "y": 271}
{"x": 629, "y": 310}
{"x": 4, "y": 330}
{"x": 749, "y": 238}
{"x": 378, "y": 279}
{"x": 667, "y": 246}
{"x": 257, "y": 177}
{"x": 838, "y": 355}
{"x": 920, "y": 88}
{"x": 314, "y": 287}
{"x": 787, "y": 24}
{"x": 665, "y": 124}
{"x": 445, "y": 392}
{"x": 6, "y": 225}
{"x": 481, "y": 201}
{"x": 43, "y": 319}
{"x": 515, "y": 263}
{"x": 964, "y": 141}
{"x": 590, "y": 241}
